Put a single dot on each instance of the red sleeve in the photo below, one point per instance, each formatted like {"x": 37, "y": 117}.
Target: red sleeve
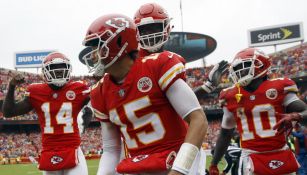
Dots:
{"x": 222, "y": 97}
{"x": 97, "y": 102}
{"x": 289, "y": 86}
{"x": 169, "y": 69}
{"x": 30, "y": 91}
{"x": 227, "y": 96}
{"x": 82, "y": 87}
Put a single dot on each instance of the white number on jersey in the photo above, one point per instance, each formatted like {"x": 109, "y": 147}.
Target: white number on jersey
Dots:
{"x": 137, "y": 122}
{"x": 64, "y": 117}
{"x": 257, "y": 122}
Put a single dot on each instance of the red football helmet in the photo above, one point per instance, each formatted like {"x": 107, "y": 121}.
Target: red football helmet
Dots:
{"x": 56, "y": 69}
{"x": 248, "y": 65}
{"x": 111, "y": 37}
{"x": 153, "y": 26}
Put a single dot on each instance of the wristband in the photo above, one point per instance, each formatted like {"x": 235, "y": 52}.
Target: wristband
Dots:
{"x": 185, "y": 158}
{"x": 207, "y": 86}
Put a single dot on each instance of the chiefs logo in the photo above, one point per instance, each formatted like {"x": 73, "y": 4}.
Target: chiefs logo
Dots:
{"x": 56, "y": 159}
{"x": 139, "y": 158}
{"x": 118, "y": 22}
{"x": 271, "y": 94}
{"x": 70, "y": 95}
{"x": 274, "y": 164}
{"x": 144, "y": 84}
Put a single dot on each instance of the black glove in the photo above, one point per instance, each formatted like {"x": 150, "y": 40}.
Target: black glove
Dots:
{"x": 215, "y": 75}
{"x": 86, "y": 117}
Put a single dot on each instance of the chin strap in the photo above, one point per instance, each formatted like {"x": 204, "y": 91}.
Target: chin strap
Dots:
{"x": 238, "y": 95}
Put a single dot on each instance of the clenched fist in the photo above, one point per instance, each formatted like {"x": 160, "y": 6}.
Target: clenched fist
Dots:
{"x": 17, "y": 79}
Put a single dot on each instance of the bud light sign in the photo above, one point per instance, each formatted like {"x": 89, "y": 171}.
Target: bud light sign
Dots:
{"x": 30, "y": 59}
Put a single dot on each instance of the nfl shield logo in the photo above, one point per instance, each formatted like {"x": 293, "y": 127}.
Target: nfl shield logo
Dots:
{"x": 121, "y": 92}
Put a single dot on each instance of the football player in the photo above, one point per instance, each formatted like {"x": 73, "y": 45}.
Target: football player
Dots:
{"x": 153, "y": 31}
{"x": 57, "y": 103}
{"x": 143, "y": 99}
{"x": 257, "y": 106}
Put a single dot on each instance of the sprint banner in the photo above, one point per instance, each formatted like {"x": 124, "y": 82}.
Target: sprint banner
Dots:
{"x": 274, "y": 35}
{"x": 30, "y": 59}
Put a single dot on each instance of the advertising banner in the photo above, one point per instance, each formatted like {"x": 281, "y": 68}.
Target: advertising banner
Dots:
{"x": 273, "y": 35}
{"x": 30, "y": 59}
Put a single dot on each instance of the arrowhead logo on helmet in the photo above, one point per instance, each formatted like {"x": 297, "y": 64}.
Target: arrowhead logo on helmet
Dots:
{"x": 118, "y": 22}
{"x": 111, "y": 37}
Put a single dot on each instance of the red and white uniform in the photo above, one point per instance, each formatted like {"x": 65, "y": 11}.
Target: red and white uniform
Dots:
{"x": 144, "y": 53}
{"x": 255, "y": 113}
{"x": 57, "y": 112}
{"x": 147, "y": 121}
{"x": 254, "y": 116}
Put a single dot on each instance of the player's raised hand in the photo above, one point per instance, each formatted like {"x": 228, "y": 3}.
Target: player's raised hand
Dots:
{"x": 285, "y": 124}
{"x": 87, "y": 116}
{"x": 84, "y": 118}
{"x": 215, "y": 76}
{"x": 218, "y": 70}
{"x": 213, "y": 170}
{"x": 17, "y": 79}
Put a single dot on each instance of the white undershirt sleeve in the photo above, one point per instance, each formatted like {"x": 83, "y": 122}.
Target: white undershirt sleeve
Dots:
{"x": 182, "y": 98}
{"x": 289, "y": 98}
{"x": 228, "y": 121}
{"x": 111, "y": 149}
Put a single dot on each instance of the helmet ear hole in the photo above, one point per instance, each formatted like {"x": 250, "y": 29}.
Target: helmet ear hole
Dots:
{"x": 133, "y": 54}
{"x": 119, "y": 41}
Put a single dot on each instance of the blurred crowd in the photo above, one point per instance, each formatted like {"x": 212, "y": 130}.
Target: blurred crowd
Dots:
{"x": 212, "y": 134}
{"x": 17, "y": 145}
{"x": 291, "y": 62}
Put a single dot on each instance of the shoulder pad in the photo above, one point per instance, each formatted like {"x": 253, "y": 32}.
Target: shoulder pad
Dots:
{"x": 287, "y": 84}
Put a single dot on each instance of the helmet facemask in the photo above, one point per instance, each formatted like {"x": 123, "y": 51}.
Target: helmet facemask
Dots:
{"x": 242, "y": 71}
{"x": 57, "y": 72}
{"x": 152, "y": 34}
{"x": 99, "y": 58}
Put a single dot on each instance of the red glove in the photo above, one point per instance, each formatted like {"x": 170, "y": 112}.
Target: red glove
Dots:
{"x": 213, "y": 170}
{"x": 285, "y": 124}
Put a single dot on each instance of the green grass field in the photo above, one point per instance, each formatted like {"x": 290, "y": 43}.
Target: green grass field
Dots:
{"x": 30, "y": 169}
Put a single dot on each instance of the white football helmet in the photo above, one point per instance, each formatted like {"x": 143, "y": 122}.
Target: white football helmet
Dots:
{"x": 56, "y": 69}
{"x": 248, "y": 65}
{"x": 153, "y": 26}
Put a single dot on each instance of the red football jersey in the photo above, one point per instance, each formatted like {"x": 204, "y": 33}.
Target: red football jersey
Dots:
{"x": 144, "y": 53}
{"x": 139, "y": 107}
{"x": 57, "y": 112}
{"x": 255, "y": 113}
